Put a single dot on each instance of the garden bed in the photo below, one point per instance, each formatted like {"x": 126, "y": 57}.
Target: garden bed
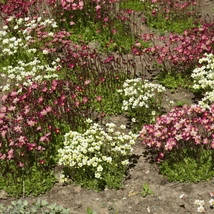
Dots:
{"x": 144, "y": 189}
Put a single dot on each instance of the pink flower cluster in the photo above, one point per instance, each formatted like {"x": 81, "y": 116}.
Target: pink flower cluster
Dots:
{"x": 18, "y": 8}
{"x": 31, "y": 121}
{"x": 181, "y": 127}
{"x": 72, "y": 5}
{"x": 171, "y": 9}
{"x": 179, "y": 52}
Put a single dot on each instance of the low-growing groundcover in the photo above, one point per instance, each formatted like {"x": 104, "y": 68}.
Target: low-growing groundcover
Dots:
{"x": 68, "y": 67}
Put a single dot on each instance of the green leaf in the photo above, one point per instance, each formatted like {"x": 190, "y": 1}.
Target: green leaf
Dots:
{"x": 44, "y": 203}
{"x": 25, "y": 203}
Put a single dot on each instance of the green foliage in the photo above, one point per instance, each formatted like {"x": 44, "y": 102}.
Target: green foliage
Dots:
{"x": 133, "y": 5}
{"x": 175, "y": 22}
{"x": 41, "y": 206}
{"x": 90, "y": 211}
{"x": 188, "y": 165}
{"x": 181, "y": 103}
{"x": 146, "y": 190}
{"x": 171, "y": 25}
{"x": 174, "y": 80}
{"x": 33, "y": 183}
{"x": 111, "y": 36}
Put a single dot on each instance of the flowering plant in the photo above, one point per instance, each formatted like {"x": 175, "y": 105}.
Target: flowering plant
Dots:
{"x": 203, "y": 77}
{"x": 201, "y": 204}
{"x": 141, "y": 99}
{"x": 96, "y": 158}
{"x": 171, "y": 16}
{"x": 183, "y": 142}
{"x": 25, "y": 58}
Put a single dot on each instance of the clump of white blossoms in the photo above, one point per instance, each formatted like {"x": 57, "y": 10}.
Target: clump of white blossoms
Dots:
{"x": 28, "y": 72}
{"x": 21, "y": 63}
{"x": 141, "y": 99}
{"x": 138, "y": 93}
{"x": 96, "y": 152}
{"x": 203, "y": 78}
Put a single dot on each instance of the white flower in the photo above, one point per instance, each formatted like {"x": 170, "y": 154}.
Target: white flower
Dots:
{"x": 199, "y": 202}
{"x": 97, "y": 175}
{"x": 211, "y": 202}
{"x": 99, "y": 168}
{"x": 200, "y": 209}
{"x": 95, "y": 164}
{"x": 109, "y": 159}
{"x": 125, "y": 162}
{"x": 45, "y": 52}
{"x": 123, "y": 126}
{"x": 133, "y": 120}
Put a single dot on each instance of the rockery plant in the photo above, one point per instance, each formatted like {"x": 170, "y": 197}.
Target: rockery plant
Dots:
{"x": 98, "y": 157}
{"x": 182, "y": 142}
{"x": 203, "y": 79}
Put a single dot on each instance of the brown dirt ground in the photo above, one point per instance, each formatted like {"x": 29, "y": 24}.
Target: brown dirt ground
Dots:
{"x": 128, "y": 200}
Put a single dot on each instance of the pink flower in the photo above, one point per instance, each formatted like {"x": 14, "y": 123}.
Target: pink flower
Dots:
{"x": 212, "y": 144}
{"x": 39, "y": 128}
{"x": 99, "y": 98}
{"x": 31, "y": 122}
{"x": 21, "y": 164}
{"x": 48, "y": 109}
{"x": 2, "y": 115}
{"x": 21, "y": 138}
{"x": 205, "y": 141}
{"x": 4, "y": 98}
{"x": 85, "y": 100}
{"x": 2, "y": 157}
{"x": 87, "y": 82}
{"x": 42, "y": 161}
{"x": 72, "y": 23}
{"x": 18, "y": 129}
{"x": 14, "y": 94}
{"x": 3, "y": 133}
{"x": 15, "y": 100}
{"x": 81, "y": 4}
{"x": 98, "y": 7}
{"x": 27, "y": 109}
{"x": 12, "y": 108}
{"x": 10, "y": 154}
{"x": 77, "y": 103}
{"x": 3, "y": 109}
{"x": 43, "y": 112}
{"x": 40, "y": 148}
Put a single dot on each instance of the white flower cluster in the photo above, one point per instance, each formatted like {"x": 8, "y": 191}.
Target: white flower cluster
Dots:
{"x": 25, "y": 65}
{"x": 27, "y": 73}
{"x": 96, "y": 148}
{"x": 29, "y": 24}
{"x": 204, "y": 79}
{"x": 137, "y": 93}
{"x": 201, "y": 203}
{"x": 10, "y": 45}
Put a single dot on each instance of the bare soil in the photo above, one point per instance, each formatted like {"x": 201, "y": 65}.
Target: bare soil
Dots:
{"x": 128, "y": 200}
